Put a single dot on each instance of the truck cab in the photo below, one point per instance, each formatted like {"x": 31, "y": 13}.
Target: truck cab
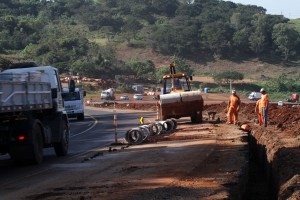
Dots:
{"x": 74, "y": 102}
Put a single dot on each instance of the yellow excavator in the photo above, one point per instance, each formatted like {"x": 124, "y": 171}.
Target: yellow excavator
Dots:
{"x": 177, "y": 100}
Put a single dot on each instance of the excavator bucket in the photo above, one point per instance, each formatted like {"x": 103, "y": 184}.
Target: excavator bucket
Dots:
{"x": 182, "y": 104}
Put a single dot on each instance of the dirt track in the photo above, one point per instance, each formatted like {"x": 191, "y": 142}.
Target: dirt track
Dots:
{"x": 200, "y": 161}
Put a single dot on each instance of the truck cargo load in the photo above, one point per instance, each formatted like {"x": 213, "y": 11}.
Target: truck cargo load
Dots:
{"x": 18, "y": 96}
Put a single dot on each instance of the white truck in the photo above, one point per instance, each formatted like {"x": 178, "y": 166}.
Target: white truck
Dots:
{"x": 32, "y": 114}
{"x": 254, "y": 96}
{"x": 74, "y": 102}
{"x": 108, "y": 94}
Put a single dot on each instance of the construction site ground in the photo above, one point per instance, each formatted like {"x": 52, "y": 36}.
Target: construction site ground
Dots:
{"x": 263, "y": 163}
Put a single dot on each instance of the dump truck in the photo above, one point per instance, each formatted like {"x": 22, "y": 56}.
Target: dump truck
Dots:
{"x": 177, "y": 100}
{"x": 32, "y": 114}
{"x": 74, "y": 101}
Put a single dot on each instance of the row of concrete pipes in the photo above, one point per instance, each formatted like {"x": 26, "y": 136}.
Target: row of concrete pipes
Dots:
{"x": 140, "y": 134}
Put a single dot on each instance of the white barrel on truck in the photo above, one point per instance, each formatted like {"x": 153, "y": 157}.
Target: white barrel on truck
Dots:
{"x": 32, "y": 114}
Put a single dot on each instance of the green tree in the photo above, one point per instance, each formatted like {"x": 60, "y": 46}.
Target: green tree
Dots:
{"x": 258, "y": 39}
{"x": 131, "y": 28}
{"x": 217, "y": 37}
{"x": 286, "y": 39}
{"x": 165, "y": 7}
{"x": 143, "y": 71}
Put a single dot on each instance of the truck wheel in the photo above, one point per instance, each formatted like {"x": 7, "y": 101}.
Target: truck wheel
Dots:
{"x": 61, "y": 148}
{"x": 32, "y": 152}
{"x": 37, "y": 144}
{"x": 80, "y": 117}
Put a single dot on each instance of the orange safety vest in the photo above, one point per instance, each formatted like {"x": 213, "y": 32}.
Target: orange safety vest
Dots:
{"x": 234, "y": 102}
{"x": 264, "y": 101}
{"x": 257, "y": 106}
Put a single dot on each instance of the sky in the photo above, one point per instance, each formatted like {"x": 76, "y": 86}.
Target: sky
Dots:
{"x": 288, "y": 8}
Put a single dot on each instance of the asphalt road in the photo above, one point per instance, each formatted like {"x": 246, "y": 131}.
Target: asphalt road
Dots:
{"x": 98, "y": 130}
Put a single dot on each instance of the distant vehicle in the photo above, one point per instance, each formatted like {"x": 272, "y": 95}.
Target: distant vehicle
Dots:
{"x": 108, "y": 94}
{"x": 138, "y": 88}
{"x": 73, "y": 101}
{"x": 138, "y": 97}
{"x": 254, "y": 96}
{"x": 124, "y": 97}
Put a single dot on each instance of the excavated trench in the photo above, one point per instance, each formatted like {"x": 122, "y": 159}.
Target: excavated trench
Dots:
{"x": 274, "y": 151}
{"x": 260, "y": 184}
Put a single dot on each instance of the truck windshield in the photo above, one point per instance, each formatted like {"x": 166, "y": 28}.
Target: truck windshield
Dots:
{"x": 71, "y": 96}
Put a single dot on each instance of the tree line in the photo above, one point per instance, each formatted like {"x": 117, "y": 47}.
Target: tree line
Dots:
{"x": 80, "y": 36}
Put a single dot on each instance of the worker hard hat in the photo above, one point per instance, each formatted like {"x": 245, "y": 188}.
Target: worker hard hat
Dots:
{"x": 233, "y": 91}
{"x": 262, "y": 90}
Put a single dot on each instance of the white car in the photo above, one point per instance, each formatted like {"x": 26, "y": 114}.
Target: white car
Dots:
{"x": 138, "y": 97}
{"x": 124, "y": 97}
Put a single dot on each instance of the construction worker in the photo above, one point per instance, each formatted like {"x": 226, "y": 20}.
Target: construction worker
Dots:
{"x": 233, "y": 108}
{"x": 263, "y": 106}
{"x": 258, "y": 112}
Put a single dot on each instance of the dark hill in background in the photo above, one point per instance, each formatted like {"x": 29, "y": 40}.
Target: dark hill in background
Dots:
{"x": 105, "y": 38}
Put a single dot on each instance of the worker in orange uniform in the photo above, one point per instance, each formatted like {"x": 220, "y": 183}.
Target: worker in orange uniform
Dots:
{"x": 258, "y": 112}
{"x": 233, "y": 108}
{"x": 264, "y": 105}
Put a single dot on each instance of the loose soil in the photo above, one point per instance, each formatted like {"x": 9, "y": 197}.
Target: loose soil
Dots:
{"x": 280, "y": 142}
{"x": 211, "y": 160}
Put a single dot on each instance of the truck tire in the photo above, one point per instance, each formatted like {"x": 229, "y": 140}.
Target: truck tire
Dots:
{"x": 80, "y": 117}
{"x": 32, "y": 152}
{"x": 37, "y": 144}
{"x": 61, "y": 148}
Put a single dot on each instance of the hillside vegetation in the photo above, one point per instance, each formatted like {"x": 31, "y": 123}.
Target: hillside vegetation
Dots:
{"x": 111, "y": 38}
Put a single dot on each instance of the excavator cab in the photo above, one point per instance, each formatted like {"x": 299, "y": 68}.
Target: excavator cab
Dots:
{"x": 174, "y": 83}
{"x": 177, "y": 100}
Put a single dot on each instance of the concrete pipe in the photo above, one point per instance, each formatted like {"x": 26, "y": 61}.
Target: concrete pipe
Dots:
{"x": 134, "y": 136}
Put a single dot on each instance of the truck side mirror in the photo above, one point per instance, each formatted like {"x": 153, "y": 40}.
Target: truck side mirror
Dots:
{"x": 84, "y": 93}
{"x": 71, "y": 85}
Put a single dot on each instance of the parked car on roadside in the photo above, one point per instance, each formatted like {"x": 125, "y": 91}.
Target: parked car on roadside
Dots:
{"x": 124, "y": 97}
{"x": 138, "y": 97}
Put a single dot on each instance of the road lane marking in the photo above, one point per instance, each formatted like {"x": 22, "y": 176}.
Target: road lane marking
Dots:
{"x": 92, "y": 125}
